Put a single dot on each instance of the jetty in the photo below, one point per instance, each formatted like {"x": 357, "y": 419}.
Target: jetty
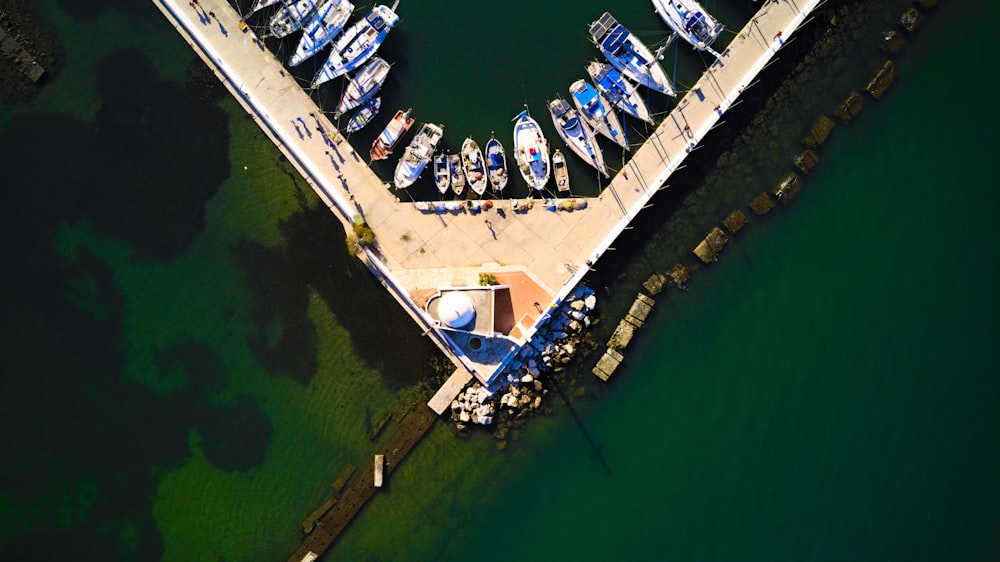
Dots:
{"x": 538, "y": 253}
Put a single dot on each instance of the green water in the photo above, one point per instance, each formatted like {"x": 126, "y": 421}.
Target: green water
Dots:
{"x": 185, "y": 387}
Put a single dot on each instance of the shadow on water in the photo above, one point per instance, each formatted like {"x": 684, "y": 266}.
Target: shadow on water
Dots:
{"x": 82, "y": 442}
{"x": 315, "y": 259}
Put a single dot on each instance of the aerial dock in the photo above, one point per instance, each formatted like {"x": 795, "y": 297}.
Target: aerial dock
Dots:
{"x": 419, "y": 251}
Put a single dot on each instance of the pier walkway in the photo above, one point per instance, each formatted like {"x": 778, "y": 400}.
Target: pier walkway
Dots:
{"x": 419, "y": 251}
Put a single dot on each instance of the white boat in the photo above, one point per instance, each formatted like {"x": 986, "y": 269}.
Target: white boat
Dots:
{"x": 619, "y": 91}
{"x": 576, "y": 134}
{"x": 291, "y": 17}
{"x": 258, "y": 6}
{"x": 364, "y": 115}
{"x": 597, "y": 112}
{"x": 691, "y": 22}
{"x": 391, "y": 135}
{"x": 629, "y": 55}
{"x": 442, "y": 172}
{"x": 363, "y": 86}
{"x": 358, "y": 43}
{"x": 531, "y": 151}
{"x": 317, "y": 33}
{"x": 474, "y": 166}
{"x": 560, "y": 170}
{"x": 496, "y": 163}
{"x": 417, "y": 154}
{"x": 457, "y": 174}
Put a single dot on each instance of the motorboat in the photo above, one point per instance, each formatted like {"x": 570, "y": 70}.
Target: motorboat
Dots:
{"x": 626, "y": 53}
{"x": 364, "y": 85}
{"x": 531, "y": 151}
{"x": 442, "y": 172}
{"x": 391, "y": 135}
{"x": 576, "y": 134}
{"x": 560, "y": 171}
{"x": 690, "y": 22}
{"x": 597, "y": 112}
{"x": 317, "y": 33}
{"x": 417, "y": 154}
{"x": 457, "y": 174}
{"x": 618, "y": 90}
{"x": 475, "y": 168}
{"x": 496, "y": 163}
{"x": 357, "y": 44}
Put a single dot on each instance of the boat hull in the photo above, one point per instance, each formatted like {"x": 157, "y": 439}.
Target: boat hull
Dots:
{"x": 291, "y": 18}
{"x": 390, "y": 136}
{"x": 619, "y": 91}
{"x": 417, "y": 154}
{"x": 531, "y": 152}
{"x": 358, "y": 43}
{"x": 364, "y": 85}
{"x": 629, "y": 55}
{"x": 442, "y": 172}
{"x": 496, "y": 164}
{"x": 560, "y": 171}
{"x": 474, "y": 166}
{"x": 690, "y": 21}
{"x": 321, "y": 29}
{"x": 597, "y": 112}
{"x": 576, "y": 134}
{"x": 363, "y": 116}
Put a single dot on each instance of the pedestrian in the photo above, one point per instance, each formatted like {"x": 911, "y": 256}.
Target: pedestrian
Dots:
{"x": 625, "y": 173}
{"x": 212, "y": 15}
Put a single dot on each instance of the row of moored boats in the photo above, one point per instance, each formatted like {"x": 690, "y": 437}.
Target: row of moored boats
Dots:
{"x": 615, "y": 83}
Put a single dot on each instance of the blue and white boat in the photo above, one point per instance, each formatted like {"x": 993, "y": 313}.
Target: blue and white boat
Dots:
{"x": 258, "y": 6}
{"x": 291, "y": 17}
{"x": 576, "y": 134}
{"x": 363, "y": 86}
{"x": 531, "y": 151}
{"x": 321, "y": 29}
{"x": 442, "y": 172}
{"x": 619, "y": 91}
{"x": 691, "y": 22}
{"x": 597, "y": 112}
{"x": 629, "y": 55}
{"x": 358, "y": 43}
{"x": 496, "y": 163}
{"x": 417, "y": 154}
{"x": 364, "y": 115}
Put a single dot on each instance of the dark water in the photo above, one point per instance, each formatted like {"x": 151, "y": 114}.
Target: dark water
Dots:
{"x": 192, "y": 357}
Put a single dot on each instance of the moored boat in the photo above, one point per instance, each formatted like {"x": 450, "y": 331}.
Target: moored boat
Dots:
{"x": 258, "y": 6}
{"x": 291, "y": 17}
{"x": 560, "y": 171}
{"x": 358, "y": 43}
{"x": 496, "y": 163}
{"x": 317, "y": 33}
{"x": 626, "y": 53}
{"x": 364, "y": 115}
{"x": 363, "y": 86}
{"x": 597, "y": 112}
{"x": 691, "y": 22}
{"x": 472, "y": 163}
{"x": 619, "y": 91}
{"x": 531, "y": 151}
{"x": 576, "y": 134}
{"x": 457, "y": 174}
{"x": 442, "y": 172}
{"x": 417, "y": 154}
{"x": 391, "y": 135}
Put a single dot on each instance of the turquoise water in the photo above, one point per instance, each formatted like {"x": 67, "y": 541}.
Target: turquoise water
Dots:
{"x": 185, "y": 387}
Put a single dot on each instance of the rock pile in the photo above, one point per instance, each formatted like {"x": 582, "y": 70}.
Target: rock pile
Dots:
{"x": 519, "y": 389}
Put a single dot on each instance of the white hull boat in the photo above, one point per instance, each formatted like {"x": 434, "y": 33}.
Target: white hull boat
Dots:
{"x": 475, "y": 169}
{"x": 531, "y": 151}
{"x": 291, "y": 17}
{"x": 597, "y": 112}
{"x": 328, "y": 21}
{"x": 691, "y": 22}
{"x": 364, "y": 85}
{"x": 358, "y": 43}
{"x": 576, "y": 134}
{"x": 629, "y": 55}
{"x": 619, "y": 91}
{"x": 442, "y": 172}
{"x": 457, "y": 174}
{"x": 417, "y": 154}
{"x": 561, "y": 171}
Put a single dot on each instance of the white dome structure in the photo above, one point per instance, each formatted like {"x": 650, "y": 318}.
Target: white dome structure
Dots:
{"x": 456, "y": 310}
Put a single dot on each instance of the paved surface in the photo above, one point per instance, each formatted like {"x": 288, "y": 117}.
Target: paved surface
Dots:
{"x": 419, "y": 250}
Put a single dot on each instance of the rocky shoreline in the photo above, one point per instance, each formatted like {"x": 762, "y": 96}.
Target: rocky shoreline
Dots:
{"x": 28, "y": 33}
{"x": 521, "y": 390}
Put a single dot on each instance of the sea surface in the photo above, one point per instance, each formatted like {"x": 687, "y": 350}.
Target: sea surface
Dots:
{"x": 191, "y": 357}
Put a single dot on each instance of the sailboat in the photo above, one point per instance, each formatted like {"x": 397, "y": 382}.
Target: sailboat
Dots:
{"x": 619, "y": 91}
{"x": 364, "y": 85}
{"x": 358, "y": 43}
{"x": 597, "y": 112}
{"x": 291, "y": 17}
{"x": 629, "y": 55}
{"x": 691, "y": 22}
{"x": 321, "y": 29}
{"x": 576, "y": 134}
